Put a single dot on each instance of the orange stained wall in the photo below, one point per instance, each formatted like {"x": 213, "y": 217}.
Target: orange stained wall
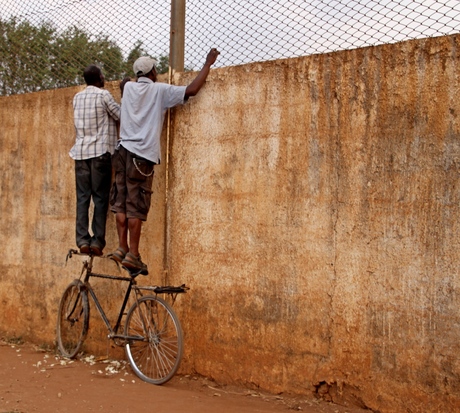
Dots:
{"x": 311, "y": 205}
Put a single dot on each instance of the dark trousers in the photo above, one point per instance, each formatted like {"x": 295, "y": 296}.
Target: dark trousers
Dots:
{"x": 92, "y": 177}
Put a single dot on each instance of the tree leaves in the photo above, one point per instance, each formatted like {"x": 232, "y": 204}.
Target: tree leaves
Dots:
{"x": 34, "y": 58}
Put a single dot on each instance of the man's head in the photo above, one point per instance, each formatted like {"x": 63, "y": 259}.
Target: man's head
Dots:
{"x": 145, "y": 66}
{"x": 93, "y": 76}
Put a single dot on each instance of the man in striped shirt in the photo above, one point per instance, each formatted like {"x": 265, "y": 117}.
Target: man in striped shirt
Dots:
{"x": 96, "y": 114}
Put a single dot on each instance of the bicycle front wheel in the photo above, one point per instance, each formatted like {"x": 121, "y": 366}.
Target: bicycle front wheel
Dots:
{"x": 73, "y": 319}
{"x": 154, "y": 343}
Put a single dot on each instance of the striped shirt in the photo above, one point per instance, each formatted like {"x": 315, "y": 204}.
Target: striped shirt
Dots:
{"x": 95, "y": 116}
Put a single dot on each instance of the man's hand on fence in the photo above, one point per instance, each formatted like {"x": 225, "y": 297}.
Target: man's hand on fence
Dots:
{"x": 212, "y": 56}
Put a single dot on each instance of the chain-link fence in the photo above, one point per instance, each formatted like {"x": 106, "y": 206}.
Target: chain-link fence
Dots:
{"x": 46, "y": 44}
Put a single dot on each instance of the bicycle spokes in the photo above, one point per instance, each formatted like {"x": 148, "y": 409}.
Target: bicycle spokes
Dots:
{"x": 156, "y": 357}
{"x": 73, "y": 319}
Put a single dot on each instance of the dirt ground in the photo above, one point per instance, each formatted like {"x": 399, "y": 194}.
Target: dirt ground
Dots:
{"x": 35, "y": 380}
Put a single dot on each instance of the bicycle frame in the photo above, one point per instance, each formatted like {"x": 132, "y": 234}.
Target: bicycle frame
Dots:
{"x": 152, "y": 339}
{"x": 113, "y": 331}
{"x": 132, "y": 285}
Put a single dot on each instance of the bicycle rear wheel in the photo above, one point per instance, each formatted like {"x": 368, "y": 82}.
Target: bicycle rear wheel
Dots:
{"x": 73, "y": 319}
{"x": 154, "y": 344}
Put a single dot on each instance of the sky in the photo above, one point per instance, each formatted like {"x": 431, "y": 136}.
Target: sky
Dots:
{"x": 248, "y": 30}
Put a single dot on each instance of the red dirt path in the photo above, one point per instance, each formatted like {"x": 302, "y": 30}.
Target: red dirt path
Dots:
{"x": 33, "y": 380}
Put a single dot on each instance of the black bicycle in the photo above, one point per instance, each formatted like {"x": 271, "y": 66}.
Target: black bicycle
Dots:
{"x": 152, "y": 335}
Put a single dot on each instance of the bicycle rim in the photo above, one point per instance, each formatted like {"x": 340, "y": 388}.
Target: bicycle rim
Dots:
{"x": 155, "y": 345}
{"x": 73, "y": 319}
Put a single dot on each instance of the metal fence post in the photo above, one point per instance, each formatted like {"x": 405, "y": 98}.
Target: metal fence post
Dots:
{"x": 177, "y": 36}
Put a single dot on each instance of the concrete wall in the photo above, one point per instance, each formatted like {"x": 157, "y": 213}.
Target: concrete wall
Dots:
{"x": 312, "y": 209}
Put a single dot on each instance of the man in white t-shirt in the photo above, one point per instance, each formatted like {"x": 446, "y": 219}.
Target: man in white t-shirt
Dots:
{"x": 142, "y": 114}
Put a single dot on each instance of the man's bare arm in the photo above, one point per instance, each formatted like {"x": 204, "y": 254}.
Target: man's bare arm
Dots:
{"x": 197, "y": 83}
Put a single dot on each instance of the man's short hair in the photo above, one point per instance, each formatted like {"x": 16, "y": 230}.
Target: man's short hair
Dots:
{"x": 92, "y": 74}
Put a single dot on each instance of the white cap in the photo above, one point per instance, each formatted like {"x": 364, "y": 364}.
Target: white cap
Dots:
{"x": 143, "y": 65}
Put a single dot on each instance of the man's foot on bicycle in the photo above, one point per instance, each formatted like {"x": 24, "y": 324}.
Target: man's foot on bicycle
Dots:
{"x": 134, "y": 264}
{"x": 92, "y": 250}
{"x": 85, "y": 249}
{"x": 96, "y": 250}
{"x": 118, "y": 255}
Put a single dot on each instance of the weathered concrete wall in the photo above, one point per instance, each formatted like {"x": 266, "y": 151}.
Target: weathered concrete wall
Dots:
{"x": 37, "y": 196}
{"x": 312, "y": 209}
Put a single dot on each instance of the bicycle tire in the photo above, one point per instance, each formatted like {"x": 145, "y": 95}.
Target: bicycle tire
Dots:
{"x": 154, "y": 345}
{"x": 73, "y": 319}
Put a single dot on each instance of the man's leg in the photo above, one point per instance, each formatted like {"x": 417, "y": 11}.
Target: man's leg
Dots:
{"x": 101, "y": 175}
{"x": 118, "y": 203}
{"x": 139, "y": 177}
{"x": 134, "y": 227}
{"x": 83, "y": 191}
{"x": 132, "y": 259}
{"x": 122, "y": 230}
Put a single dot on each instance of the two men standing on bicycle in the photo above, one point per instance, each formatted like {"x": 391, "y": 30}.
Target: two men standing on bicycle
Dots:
{"x": 142, "y": 114}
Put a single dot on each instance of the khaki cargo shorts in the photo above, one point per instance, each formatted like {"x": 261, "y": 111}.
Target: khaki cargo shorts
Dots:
{"x": 131, "y": 191}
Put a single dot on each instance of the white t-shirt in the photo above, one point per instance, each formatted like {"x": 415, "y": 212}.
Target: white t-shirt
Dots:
{"x": 143, "y": 109}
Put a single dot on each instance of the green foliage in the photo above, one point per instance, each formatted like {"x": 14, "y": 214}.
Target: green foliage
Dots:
{"x": 163, "y": 64}
{"x": 133, "y": 55}
{"x": 23, "y": 52}
{"x": 34, "y": 58}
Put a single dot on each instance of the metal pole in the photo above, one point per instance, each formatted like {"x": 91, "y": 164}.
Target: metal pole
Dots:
{"x": 177, "y": 36}
{"x": 176, "y": 64}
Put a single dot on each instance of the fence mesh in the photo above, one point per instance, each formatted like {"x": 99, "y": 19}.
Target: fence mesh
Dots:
{"x": 46, "y": 44}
